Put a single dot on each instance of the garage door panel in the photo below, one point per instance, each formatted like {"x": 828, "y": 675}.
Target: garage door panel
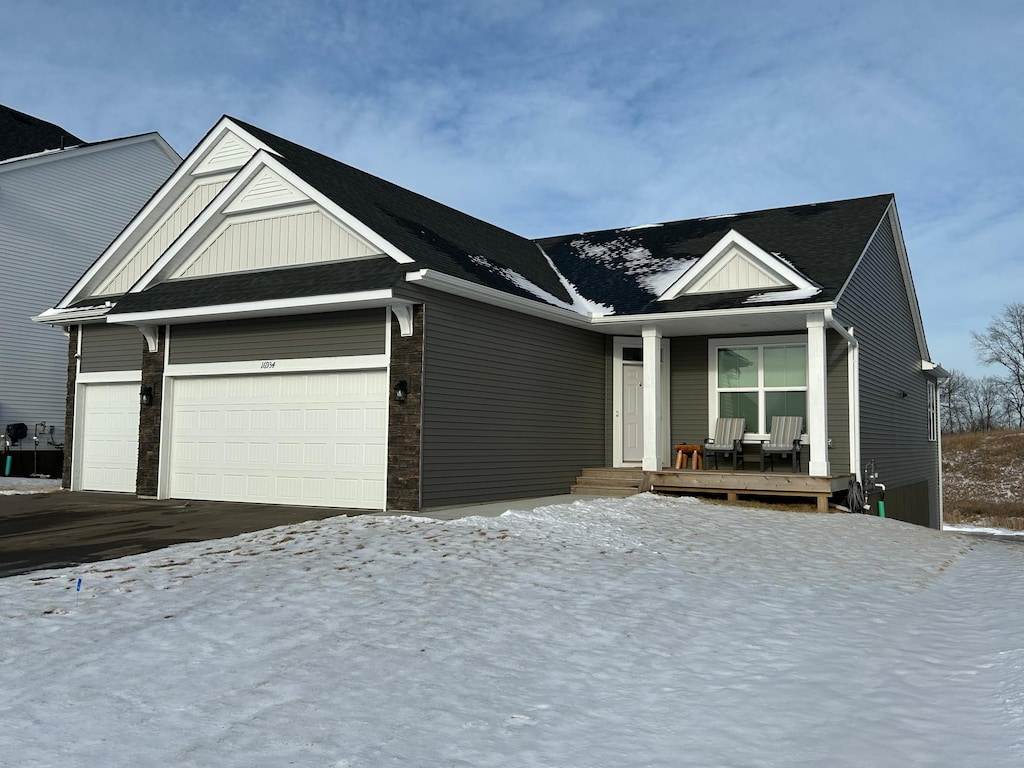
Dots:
{"x": 315, "y": 439}
{"x": 110, "y": 440}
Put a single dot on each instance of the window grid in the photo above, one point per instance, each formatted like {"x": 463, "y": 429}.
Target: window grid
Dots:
{"x": 758, "y": 389}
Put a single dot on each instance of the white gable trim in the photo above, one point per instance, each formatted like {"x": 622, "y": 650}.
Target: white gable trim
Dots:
{"x": 209, "y": 220}
{"x": 172, "y": 188}
{"x": 776, "y": 272}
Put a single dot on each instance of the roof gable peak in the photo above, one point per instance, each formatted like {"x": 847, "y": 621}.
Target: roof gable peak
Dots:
{"x": 736, "y": 263}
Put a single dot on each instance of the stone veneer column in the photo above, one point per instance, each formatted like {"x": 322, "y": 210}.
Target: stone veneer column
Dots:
{"x": 147, "y": 477}
{"x": 69, "y": 404}
{"x": 405, "y": 419}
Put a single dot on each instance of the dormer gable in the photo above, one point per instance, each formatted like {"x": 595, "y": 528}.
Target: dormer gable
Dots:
{"x": 736, "y": 263}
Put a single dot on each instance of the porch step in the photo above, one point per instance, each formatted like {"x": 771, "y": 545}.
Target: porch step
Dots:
{"x": 607, "y": 481}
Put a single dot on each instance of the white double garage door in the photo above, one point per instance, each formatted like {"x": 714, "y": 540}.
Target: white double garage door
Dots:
{"x": 316, "y": 439}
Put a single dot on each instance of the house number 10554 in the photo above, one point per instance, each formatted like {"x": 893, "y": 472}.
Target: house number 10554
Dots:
{"x": 268, "y": 364}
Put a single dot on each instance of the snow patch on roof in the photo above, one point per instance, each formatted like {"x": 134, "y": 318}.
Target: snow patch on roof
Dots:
{"x": 630, "y": 258}
{"x": 794, "y": 295}
{"x": 580, "y": 304}
{"x": 640, "y": 226}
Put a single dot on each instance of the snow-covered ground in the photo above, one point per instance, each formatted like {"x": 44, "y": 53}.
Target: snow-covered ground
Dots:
{"x": 638, "y": 632}
{"x": 12, "y": 486}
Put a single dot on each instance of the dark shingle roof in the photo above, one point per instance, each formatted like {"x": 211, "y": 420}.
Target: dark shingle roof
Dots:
{"x": 435, "y": 235}
{"x": 238, "y": 287}
{"x": 22, "y": 134}
{"x": 621, "y": 268}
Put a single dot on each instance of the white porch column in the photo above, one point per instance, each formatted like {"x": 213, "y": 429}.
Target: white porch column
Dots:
{"x": 652, "y": 397}
{"x": 817, "y": 396}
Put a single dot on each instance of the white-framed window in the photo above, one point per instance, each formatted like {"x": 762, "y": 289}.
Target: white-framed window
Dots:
{"x": 933, "y": 412}
{"x": 758, "y": 378}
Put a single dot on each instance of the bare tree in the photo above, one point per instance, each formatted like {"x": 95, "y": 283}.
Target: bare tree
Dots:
{"x": 1002, "y": 343}
{"x": 954, "y": 407}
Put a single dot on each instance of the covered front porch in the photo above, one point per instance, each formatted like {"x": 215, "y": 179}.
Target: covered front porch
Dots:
{"x": 674, "y": 380}
{"x": 733, "y": 485}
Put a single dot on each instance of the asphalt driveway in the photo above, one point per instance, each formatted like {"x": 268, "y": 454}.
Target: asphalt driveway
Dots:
{"x": 54, "y": 530}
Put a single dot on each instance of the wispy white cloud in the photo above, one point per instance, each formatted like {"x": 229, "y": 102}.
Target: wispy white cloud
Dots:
{"x": 555, "y": 117}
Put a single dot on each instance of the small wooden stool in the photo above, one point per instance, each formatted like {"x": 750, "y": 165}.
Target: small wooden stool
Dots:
{"x": 694, "y": 456}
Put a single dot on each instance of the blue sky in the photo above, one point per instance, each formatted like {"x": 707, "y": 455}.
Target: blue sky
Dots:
{"x": 555, "y": 117}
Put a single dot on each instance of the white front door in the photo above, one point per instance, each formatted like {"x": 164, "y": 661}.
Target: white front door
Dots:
{"x": 632, "y": 412}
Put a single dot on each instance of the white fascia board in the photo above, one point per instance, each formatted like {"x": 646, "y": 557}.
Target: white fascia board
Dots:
{"x": 56, "y": 316}
{"x": 908, "y": 278}
{"x": 799, "y": 309}
{"x": 735, "y": 238}
{"x": 934, "y": 369}
{"x": 174, "y": 184}
{"x": 300, "y": 305}
{"x": 429, "y": 278}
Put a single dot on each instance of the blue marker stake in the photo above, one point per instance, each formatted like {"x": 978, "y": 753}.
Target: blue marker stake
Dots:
{"x": 79, "y": 587}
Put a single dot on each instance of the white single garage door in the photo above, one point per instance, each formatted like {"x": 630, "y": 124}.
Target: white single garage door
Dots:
{"x": 316, "y": 439}
{"x": 110, "y": 437}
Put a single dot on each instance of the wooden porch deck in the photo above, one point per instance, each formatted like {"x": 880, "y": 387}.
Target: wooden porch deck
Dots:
{"x": 733, "y": 485}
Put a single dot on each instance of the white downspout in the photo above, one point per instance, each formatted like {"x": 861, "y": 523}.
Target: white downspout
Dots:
{"x": 853, "y": 378}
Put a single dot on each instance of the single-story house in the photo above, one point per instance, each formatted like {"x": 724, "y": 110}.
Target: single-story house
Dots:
{"x": 276, "y": 326}
{"x": 62, "y": 200}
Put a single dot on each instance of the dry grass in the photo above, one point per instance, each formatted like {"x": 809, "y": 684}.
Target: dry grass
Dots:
{"x": 983, "y": 479}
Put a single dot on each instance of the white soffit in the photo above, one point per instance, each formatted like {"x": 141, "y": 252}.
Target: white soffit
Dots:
{"x": 735, "y": 263}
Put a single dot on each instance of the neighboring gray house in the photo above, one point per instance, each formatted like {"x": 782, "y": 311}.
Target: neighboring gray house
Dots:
{"x": 62, "y": 201}
{"x": 298, "y": 331}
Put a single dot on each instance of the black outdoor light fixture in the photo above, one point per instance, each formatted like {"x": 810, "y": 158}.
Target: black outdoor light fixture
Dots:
{"x": 401, "y": 391}
{"x": 146, "y": 396}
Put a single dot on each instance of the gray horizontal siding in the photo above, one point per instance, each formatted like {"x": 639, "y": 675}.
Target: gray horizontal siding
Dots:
{"x": 111, "y": 348}
{"x": 333, "y": 334}
{"x": 894, "y": 428}
{"x": 838, "y": 399}
{"x": 689, "y": 389}
{"x": 513, "y": 406}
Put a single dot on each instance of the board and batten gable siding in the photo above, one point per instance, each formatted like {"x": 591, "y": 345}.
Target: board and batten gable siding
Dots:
{"x": 107, "y": 348}
{"x": 513, "y": 405}
{"x": 286, "y": 239}
{"x": 894, "y": 427}
{"x": 194, "y": 200}
{"x": 330, "y": 334}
